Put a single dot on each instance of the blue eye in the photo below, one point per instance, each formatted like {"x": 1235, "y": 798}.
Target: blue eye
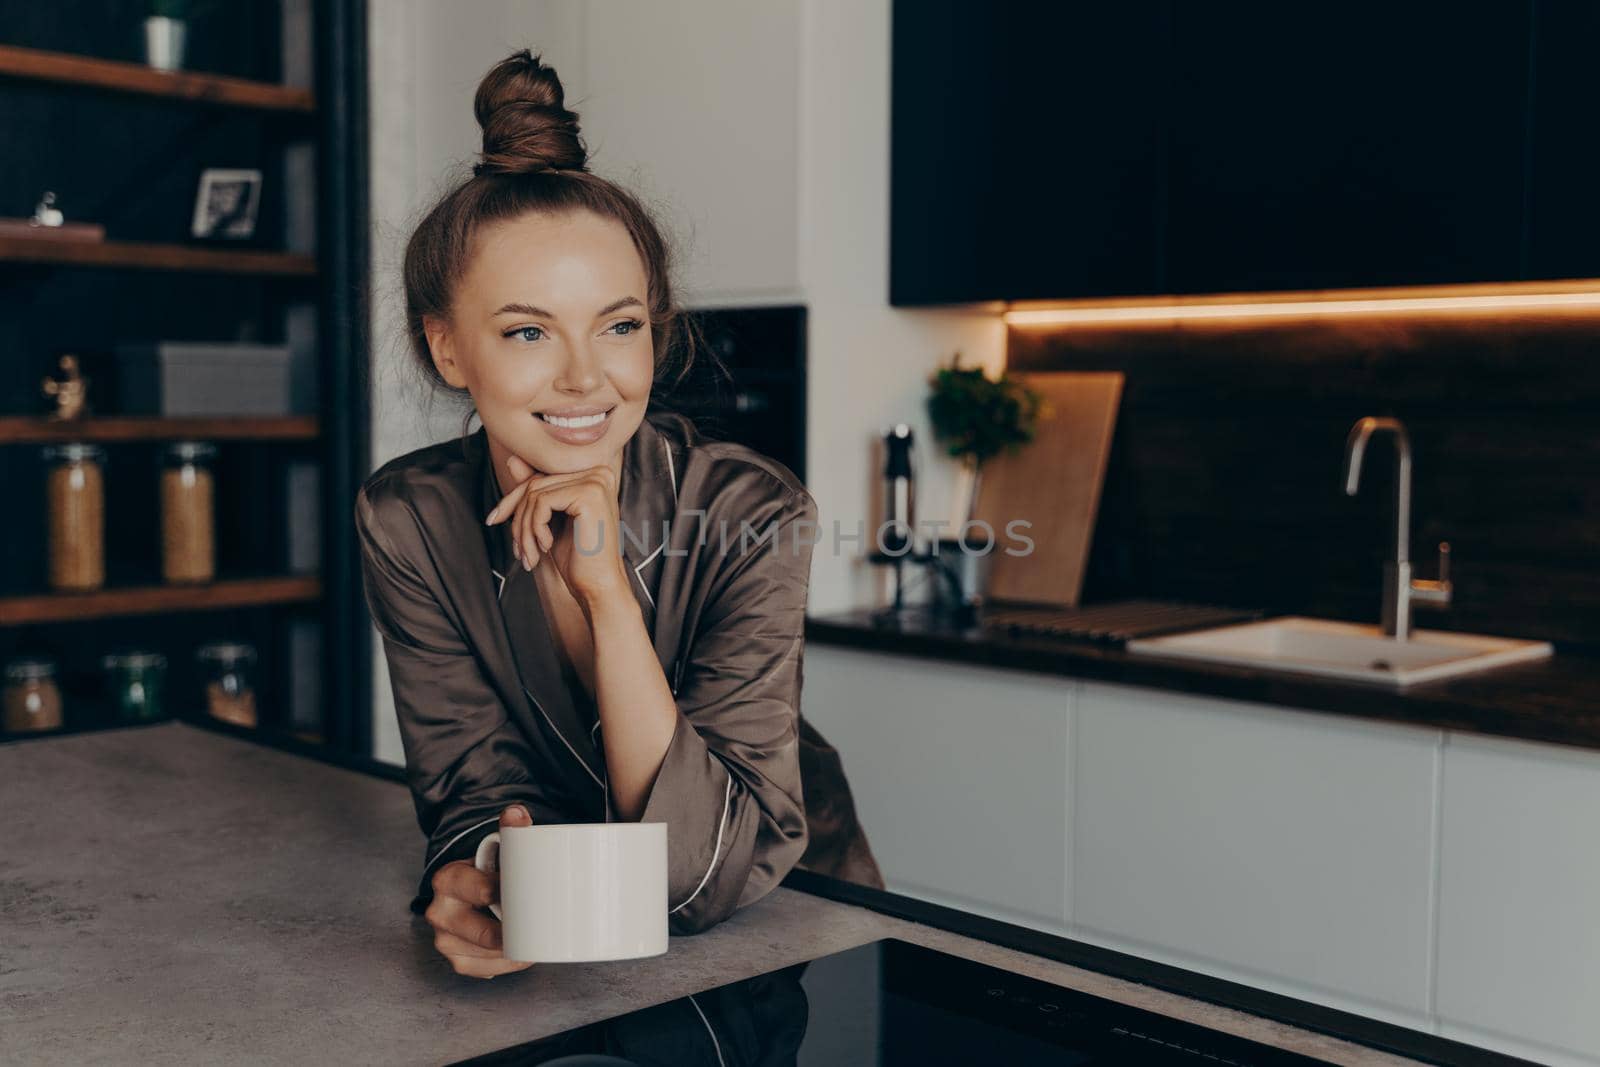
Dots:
{"x": 620, "y": 329}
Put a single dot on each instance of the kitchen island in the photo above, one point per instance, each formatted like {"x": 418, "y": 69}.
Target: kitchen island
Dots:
{"x": 178, "y": 894}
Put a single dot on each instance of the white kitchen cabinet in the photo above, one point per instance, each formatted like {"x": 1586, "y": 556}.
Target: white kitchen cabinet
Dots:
{"x": 959, "y": 775}
{"x": 1443, "y": 881}
{"x": 1519, "y": 898}
{"x": 1291, "y": 845}
{"x": 697, "y": 107}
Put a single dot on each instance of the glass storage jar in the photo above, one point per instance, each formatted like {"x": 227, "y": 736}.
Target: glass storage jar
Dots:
{"x": 230, "y": 685}
{"x": 136, "y": 682}
{"x": 188, "y": 516}
{"x": 32, "y": 699}
{"x": 76, "y": 507}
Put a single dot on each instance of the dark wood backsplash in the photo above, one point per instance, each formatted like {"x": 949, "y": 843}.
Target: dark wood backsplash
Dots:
{"x": 1225, "y": 478}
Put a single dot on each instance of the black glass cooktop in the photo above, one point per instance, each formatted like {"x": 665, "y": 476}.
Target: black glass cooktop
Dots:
{"x": 890, "y": 1003}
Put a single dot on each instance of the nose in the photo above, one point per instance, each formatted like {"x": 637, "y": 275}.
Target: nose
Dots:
{"x": 580, "y": 371}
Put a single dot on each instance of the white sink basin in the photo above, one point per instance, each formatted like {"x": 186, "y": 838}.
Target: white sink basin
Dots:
{"x": 1355, "y": 651}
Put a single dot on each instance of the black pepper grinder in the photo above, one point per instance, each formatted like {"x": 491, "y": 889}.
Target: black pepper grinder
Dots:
{"x": 895, "y": 541}
{"x": 899, "y": 512}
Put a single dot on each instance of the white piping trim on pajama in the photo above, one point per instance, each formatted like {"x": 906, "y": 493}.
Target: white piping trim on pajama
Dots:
{"x": 641, "y": 566}
{"x": 727, "y": 795}
{"x": 714, "y": 1042}
{"x": 502, "y": 578}
{"x": 672, "y": 471}
{"x": 563, "y": 737}
{"x": 429, "y": 865}
{"x": 672, "y": 480}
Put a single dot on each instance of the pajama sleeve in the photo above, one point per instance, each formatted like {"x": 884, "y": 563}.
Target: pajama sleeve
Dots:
{"x": 729, "y": 786}
{"x": 465, "y": 760}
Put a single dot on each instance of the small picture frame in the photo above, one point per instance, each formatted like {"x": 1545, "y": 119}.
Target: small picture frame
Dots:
{"x": 226, "y": 204}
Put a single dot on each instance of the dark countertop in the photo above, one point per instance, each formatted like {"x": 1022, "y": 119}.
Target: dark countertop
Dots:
{"x": 1556, "y": 700}
{"x": 178, "y": 894}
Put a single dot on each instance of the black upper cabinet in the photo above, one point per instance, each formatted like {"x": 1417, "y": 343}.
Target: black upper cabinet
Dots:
{"x": 1342, "y": 145}
{"x": 1563, "y": 206}
{"x": 1156, "y": 146}
{"x": 1026, "y": 150}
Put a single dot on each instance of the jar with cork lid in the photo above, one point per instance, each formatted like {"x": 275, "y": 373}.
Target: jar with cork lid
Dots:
{"x": 32, "y": 699}
{"x": 75, "y": 509}
{"x": 188, "y": 517}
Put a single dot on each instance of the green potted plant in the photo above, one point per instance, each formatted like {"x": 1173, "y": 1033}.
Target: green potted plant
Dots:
{"x": 977, "y": 417}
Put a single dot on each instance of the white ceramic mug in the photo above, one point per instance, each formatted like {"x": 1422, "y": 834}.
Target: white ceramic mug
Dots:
{"x": 580, "y": 892}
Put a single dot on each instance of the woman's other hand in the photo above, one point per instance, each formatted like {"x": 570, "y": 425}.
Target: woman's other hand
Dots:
{"x": 585, "y": 543}
{"x": 465, "y": 931}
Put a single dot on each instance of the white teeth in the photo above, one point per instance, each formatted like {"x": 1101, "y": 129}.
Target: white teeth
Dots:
{"x": 576, "y": 423}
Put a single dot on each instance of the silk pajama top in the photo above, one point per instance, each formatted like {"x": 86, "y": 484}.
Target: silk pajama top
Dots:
{"x": 748, "y": 788}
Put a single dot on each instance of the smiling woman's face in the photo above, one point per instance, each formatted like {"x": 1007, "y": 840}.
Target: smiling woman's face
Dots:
{"x": 548, "y": 332}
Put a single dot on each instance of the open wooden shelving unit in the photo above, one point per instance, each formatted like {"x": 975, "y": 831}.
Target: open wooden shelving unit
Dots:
{"x": 332, "y": 120}
{"x": 64, "y": 68}
{"x": 136, "y": 255}
{"x": 24, "y": 430}
{"x": 155, "y": 599}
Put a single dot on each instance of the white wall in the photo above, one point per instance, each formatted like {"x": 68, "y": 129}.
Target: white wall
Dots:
{"x": 868, "y": 362}
{"x": 794, "y": 208}
{"x": 426, "y": 60}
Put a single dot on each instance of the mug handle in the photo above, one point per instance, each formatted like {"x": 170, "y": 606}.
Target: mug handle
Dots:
{"x": 487, "y": 859}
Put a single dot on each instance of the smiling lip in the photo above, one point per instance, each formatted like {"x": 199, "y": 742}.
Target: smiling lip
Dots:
{"x": 574, "y": 413}
{"x": 577, "y": 435}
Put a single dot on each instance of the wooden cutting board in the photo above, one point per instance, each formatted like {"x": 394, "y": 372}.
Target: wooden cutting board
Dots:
{"x": 1054, "y": 483}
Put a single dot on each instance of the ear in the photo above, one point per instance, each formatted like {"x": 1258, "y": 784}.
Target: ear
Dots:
{"x": 442, "y": 350}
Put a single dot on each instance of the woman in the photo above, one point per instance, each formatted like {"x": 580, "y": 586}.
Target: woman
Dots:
{"x": 589, "y": 611}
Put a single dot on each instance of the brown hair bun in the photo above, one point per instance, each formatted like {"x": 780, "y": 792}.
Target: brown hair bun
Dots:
{"x": 526, "y": 125}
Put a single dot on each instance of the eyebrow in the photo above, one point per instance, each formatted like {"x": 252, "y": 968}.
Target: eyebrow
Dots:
{"x": 539, "y": 312}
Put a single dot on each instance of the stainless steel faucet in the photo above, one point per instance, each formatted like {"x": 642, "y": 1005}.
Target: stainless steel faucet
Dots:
{"x": 1400, "y": 590}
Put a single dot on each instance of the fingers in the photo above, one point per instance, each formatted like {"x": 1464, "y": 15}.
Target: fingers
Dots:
{"x": 522, "y": 539}
{"x": 472, "y": 925}
{"x": 450, "y": 944}
{"x": 532, "y": 529}
{"x": 532, "y": 505}
{"x": 527, "y": 551}
{"x": 521, "y": 470}
{"x": 536, "y": 527}
{"x": 515, "y": 815}
{"x": 460, "y": 880}
{"x": 474, "y": 967}
{"x": 531, "y": 542}
{"x": 464, "y": 934}
{"x": 470, "y": 958}
{"x": 507, "y": 502}
{"x": 529, "y": 482}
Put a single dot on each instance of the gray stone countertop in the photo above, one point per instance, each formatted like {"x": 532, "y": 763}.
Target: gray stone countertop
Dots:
{"x": 171, "y": 894}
